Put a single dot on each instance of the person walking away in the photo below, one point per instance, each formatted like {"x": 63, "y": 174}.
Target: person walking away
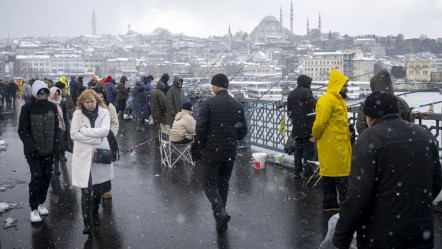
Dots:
{"x": 139, "y": 105}
{"x": 174, "y": 96}
{"x": 183, "y": 125}
{"x": 27, "y": 90}
{"x": 56, "y": 98}
{"x": 122, "y": 95}
{"x": 3, "y": 93}
{"x": 147, "y": 81}
{"x": 330, "y": 131}
{"x": 111, "y": 91}
{"x": 89, "y": 129}
{"x": 395, "y": 176}
{"x": 111, "y": 137}
{"x": 37, "y": 128}
{"x": 382, "y": 82}
{"x": 300, "y": 107}
{"x": 220, "y": 124}
{"x": 158, "y": 106}
{"x": 12, "y": 89}
{"x": 73, "y": 89}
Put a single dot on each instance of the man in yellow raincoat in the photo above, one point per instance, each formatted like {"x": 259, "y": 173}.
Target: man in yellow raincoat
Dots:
{"x": 330, "y": 131}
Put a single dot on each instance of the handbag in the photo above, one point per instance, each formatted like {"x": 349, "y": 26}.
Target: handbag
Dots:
{"x": 103, "y": 156}
{"x": 68, "y": 144}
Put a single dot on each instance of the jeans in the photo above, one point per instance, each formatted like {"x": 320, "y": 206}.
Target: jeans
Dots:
{"x": 41, "y": 173}
{"x": 304, "y": 150}
{"x": 217, "y": 169}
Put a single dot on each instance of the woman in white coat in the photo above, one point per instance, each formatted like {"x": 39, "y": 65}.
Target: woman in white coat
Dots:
{"x": 89, "y": 129}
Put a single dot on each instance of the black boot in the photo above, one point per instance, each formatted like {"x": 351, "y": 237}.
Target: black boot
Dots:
{"x": 95, "y": 207}
{"x": 140, "y": 125}
{"x": 85, "y": 208}
{"x": 221, "y": 218}
{"x": 57, "y": 167}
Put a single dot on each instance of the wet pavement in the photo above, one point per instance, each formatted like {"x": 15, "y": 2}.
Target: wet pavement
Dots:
{"x": 158, "y": 207}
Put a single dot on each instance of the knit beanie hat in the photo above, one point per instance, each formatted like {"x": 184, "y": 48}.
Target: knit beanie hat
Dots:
{"x": 304, "y": 80}
{"x": 187, "y": 106}
{"x": 220, "y": 80}
{"x": 379, "y": 104}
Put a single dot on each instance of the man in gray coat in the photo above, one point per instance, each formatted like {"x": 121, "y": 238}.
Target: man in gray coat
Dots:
{"x": 174, "y": 97}
{"x": 382, "y": 82}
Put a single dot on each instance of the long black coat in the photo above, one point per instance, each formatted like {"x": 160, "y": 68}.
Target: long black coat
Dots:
{"x": 395, "y": 175}
{"x": 301, "y": 102}
{"x": 220, "y": 124}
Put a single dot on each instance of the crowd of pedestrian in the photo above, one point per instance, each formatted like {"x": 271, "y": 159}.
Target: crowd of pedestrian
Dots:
{"x": 394, "y": 164}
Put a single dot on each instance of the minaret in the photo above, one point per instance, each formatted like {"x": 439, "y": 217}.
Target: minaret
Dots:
{"x": 94, "y": 24}
{"x": 230, "y": 39}
{"x": 280, "y": 21}
{"x": 291, "y": 17}
{"x": 308, "y": 28}
{"x": 319, "y": 24}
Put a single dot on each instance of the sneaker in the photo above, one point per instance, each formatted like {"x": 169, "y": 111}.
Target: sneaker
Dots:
{"x": 43, "y": 210}
{"x": 107, "y": 195}
{"x": 297, "y": 175}
{"x": 35, "y": 216}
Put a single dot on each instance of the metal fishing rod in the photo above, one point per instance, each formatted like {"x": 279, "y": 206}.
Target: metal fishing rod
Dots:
{"x": 244, "y": 64}
{"x": 137, "y": 146}
{"x": 432, "y": 103}
{"x": 283, "y": 76}
{"x": 401, "y": 94}
{"x": 207, "y": 71}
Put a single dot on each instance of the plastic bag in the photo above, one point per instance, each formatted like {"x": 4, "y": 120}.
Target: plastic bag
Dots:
{"x": 129, "y": 102}
{"x": 327, "y": 242}
{"x": 289, "y": 146}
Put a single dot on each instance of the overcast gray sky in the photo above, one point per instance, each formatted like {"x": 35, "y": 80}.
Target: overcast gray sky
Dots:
{"x": 202, "y": 18}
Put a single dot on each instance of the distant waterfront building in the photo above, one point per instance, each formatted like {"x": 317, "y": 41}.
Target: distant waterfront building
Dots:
{"x": 418, "y": 69}
{"x": 320, "y": 65}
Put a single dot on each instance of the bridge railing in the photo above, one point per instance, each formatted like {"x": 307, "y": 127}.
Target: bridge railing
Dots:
{"x": 264, "y": 119}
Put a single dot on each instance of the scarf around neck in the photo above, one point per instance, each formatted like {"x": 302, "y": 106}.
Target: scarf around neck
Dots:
{"x": 91, "y": 115}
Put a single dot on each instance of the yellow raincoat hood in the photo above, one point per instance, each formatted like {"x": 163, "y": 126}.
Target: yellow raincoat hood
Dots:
{"x": 336, "y": 81}
{"x": 65, "y": 82}
{"x": 331, "y": 129}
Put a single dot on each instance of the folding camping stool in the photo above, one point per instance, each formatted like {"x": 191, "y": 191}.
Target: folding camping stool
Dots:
{"x": 172, "y": 152}
{"x": 315, "y": 165}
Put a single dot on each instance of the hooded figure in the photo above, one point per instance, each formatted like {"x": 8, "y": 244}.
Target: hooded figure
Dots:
{"x": 300, "y": 105}
{"x": 140, "y": 109}
{"x": 382, "y": 82}
{"x": 165, "y": 79}
{"x": 65, "y": 82}
{"x": 331, "y": 132}
{"x": 37, "y": 128}
{"x": 183, "y": 125}
{"x": 158, "y": 106}
{"x": 174, "y": 97}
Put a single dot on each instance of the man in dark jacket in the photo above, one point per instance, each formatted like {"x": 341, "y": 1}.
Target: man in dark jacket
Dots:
{"x": 165, "y": 79}
{"x": 300, "y": 107}
{"x": 220, "y": 124}
{"x": 122, "y": 95}
{"x": 382, "y": 82}
{"x": 12, "y": 93}
{"x": 174, "y": 98}
{"x": 395, "y": 175}
{"x": 37, "y": 129}
{"x": 158, "y": 106}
